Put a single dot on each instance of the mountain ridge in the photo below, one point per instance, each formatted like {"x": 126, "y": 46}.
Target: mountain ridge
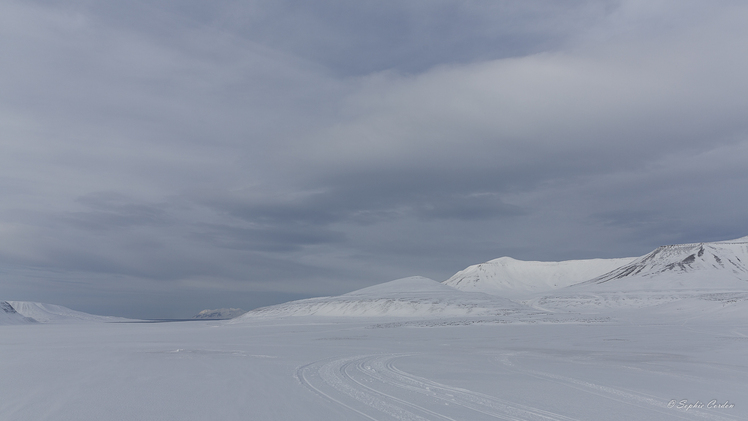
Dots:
{"x": 709, "y": 275}
{"x": 683, "y": 266}
{"x": 514, "y": 278}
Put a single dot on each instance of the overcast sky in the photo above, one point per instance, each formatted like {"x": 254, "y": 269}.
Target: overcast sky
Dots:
{"x": 159, "y": 158}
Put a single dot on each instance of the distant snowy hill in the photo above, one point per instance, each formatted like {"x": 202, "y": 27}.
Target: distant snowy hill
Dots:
{"x": 219, "y": 314}
{"x": 410, "y": 297}
{"x": 50, "y": 313}
{"x": 709, "y": 276}
{"x": 515, "y": 278}
{"x": 9, "y": 315}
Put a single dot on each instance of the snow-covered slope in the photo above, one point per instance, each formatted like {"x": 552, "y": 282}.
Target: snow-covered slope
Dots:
{"x": 9, "y": 315}
{"x": 50, "y": 313}
{"x": 412, "y": 297}
{"x": 699, "y": 266}
{"x": 713, "y": 307}
{"x": 219, "y": 314}
{"x": 514, "y": 278}
{"x": 667, "y": 277}
{"x": 414, "y": 285}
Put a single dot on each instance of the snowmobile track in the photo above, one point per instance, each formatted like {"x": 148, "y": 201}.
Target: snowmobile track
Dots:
{"x": 373, "y": 387}
{"x": 629, "y": 397}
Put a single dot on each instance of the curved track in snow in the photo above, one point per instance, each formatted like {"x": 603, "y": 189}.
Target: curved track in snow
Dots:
{"x": 373, "y": 387}
{"x": 654, "y": 404}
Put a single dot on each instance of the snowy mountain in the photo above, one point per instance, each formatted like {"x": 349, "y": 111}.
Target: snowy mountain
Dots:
{"x": 9, "y": 315}
{"x": 50, "y": 313}
{"x": 515, "y": 278}
{"x": 718, "y": 265}
{"x": 219, "y": 314}
{"x": 709, "y": 276}
{"x": 409, "y": 297}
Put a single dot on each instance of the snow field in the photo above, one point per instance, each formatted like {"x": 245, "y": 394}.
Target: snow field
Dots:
{"x": 349, "y": 369}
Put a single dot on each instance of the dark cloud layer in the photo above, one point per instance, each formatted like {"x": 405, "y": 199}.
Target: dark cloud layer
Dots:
{"x": 164, "y": 157}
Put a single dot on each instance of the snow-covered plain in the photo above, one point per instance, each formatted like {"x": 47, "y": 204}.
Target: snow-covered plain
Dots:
{"x": 312, "y": 368}
{"x": 411, "y": 349}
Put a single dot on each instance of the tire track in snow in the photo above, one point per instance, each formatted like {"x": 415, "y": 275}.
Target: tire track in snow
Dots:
{"x": 372, "y": 386}
{"x": 328, "y": 379}
{"x": 489, "y": 405}
{"x": 641, "y": 400}
{"x": 360, "y": 367}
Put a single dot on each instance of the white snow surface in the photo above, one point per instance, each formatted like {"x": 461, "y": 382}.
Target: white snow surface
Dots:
{"x": 413, "y": 285}
{"x": 51, "y": 313}
{"x": 517, "y": 278}
{"x": 628, "y": 366}
{"x": 407, "y": 297}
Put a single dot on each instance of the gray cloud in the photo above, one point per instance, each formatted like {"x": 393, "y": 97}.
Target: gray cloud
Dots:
{"x": 278, "y": 238}
{"x": 288, "y": 148}
{"x": 365, "y": 200}
{"x": 110, "y": 210}
{"x": 372, "y": 36}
